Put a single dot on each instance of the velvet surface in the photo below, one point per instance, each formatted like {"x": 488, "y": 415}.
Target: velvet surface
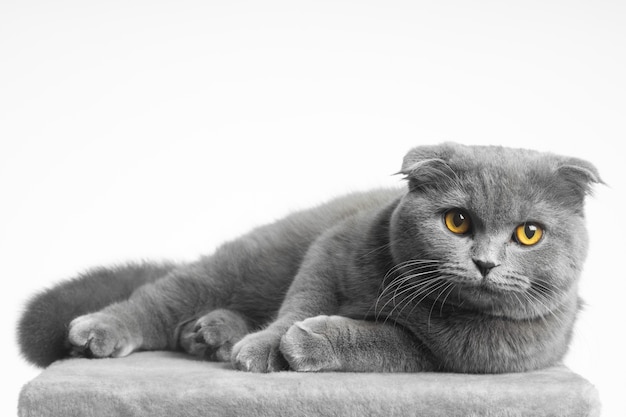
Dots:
{"x": 171, "y": 384}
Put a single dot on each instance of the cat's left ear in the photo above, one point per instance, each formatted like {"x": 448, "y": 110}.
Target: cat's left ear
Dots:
{"x": 579, "y": 173}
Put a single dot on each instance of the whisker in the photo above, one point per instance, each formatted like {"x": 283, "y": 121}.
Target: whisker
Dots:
{"x": 518, "y": 279}
{"x": 410, "y": 286}
{"x": 410, "y": 263}
{"x": 520, "y": 302}
{"x": 378, "y": 249}
{"x": 547, "y": 289}
{"x": 533, "y": 299}
{"x": 430, "y": 313}
{"x": 399, "y": 281}
{"x": 441, "y": 283}
{"x": 411, "y": 291}
{"x": 453, "y": 286}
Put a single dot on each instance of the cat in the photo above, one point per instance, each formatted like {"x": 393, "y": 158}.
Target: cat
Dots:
{"x": 473, "y": 267}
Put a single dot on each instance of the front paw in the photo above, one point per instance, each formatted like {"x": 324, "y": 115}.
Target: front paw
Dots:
{"x": 310, "y": 345}
{"x": 259, "y": 352}
{"x": 100, "y": 335}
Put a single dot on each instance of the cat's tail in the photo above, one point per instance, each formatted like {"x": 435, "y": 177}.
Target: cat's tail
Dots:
{"x": 42, "y": 329}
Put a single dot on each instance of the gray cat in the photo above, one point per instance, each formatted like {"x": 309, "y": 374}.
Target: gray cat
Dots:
{"x": 473, "y": 267}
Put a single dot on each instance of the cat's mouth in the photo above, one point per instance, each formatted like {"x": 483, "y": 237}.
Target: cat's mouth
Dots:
{"x": 495, "y": 282}
{"x": 441, "y": 284}
{"x": 485, "y": 293}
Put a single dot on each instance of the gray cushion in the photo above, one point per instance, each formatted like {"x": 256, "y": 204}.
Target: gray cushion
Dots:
{"x": 172, "y": 384}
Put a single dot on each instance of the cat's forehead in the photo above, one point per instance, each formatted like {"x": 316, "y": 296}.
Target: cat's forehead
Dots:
{"x": 501, "y": 172}
{"x": 501, "y": 183}
{"x": 498, "y": 160}
{"x": 502, "y": 193}
{"x": 495, "y": 197}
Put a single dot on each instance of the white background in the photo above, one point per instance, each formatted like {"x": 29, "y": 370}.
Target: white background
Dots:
{"x": 155, "y": 129}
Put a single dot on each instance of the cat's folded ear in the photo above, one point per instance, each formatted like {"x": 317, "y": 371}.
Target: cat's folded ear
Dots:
{"x": 429, "y": 165}
{"x": 580, "y": 174}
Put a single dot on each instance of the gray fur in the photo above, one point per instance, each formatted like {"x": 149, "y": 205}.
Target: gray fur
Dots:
{"x": 374, "y": 281}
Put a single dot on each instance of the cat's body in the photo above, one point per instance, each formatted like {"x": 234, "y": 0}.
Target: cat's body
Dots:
{"x": 474, "y": 268}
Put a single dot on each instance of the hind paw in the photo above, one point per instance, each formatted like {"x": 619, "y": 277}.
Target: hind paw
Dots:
{"x": 100, "y": 335}
{"x": 213, "y": 335}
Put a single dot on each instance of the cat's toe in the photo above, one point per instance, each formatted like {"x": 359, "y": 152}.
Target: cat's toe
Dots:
{"x": 213, "y": 335}
{"x": 99, "y": 335}
{"x": 259, "y": 352}
{"x": 192, "y": 342}
{"x": 308, "y": 346}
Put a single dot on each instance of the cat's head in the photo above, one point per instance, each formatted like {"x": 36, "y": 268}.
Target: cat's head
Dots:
{"x": 495, "y": 229}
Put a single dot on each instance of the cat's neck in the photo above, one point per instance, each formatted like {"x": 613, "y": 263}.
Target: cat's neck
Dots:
{"x": 465, "y": 340}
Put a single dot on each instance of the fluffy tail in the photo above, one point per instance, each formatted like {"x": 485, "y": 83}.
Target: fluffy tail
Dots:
{"x": 42, "y": 329}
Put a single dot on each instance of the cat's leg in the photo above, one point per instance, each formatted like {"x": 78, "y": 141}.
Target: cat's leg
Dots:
{"x": 335, "y": 343}
{"x": 313, "y": 291}
{"x": 148, "y": 319}
{"x": 213, "y": 335}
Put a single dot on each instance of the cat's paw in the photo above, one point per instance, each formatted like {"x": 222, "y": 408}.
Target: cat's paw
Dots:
{"x": 259, "y": 352}
{"x": 213, "y": 335}
{"x": 101, "y": 335}
{"x": 309, "y": 345}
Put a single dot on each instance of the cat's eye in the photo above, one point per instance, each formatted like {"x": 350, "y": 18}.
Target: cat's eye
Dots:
{"x": 457, "y": 221}
{"x": 528, "y": 234}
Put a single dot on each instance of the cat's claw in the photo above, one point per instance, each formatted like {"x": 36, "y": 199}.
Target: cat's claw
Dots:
{"x": 100, "y": 335}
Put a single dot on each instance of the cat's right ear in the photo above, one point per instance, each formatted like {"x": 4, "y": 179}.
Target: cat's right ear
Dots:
{"x": 428, "y": 167}
{"x": 581, "y": 175}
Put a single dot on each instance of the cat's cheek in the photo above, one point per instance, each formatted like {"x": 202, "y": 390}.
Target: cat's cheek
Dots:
{"x": 414, "y": 230}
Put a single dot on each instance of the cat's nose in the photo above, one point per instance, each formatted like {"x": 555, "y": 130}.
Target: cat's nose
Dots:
{"x": 484, "y": 266}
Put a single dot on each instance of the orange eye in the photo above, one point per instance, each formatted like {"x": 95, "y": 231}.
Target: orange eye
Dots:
{"x": 457, "y": 221}
{"x": 528, "y": 234}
